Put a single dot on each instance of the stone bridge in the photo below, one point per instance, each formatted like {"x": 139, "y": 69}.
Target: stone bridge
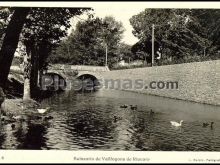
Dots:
{"x": 63, "y": 72}
{"x": 77, "y": 71}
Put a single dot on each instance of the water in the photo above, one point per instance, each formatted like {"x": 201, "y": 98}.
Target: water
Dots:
{"x": 85, "y": 121}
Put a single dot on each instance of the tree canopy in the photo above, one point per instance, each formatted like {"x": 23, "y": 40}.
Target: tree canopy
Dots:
{"x": 38, "y": 27}
{"x": 10, "y": 42}
{"x": 88, "y": 41}
{"x": 179, "y": 33}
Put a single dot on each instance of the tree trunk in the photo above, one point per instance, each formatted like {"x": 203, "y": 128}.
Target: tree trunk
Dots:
{"x": 10, "y": 42}
{"x": 27, "y": 74}
{"x": 30, "y": 70}
{"x": 34, "y": 71}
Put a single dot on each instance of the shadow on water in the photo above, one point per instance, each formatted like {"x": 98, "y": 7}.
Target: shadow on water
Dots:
{"x": 89, "y": 129}
{"x": 2, "y": 135}
{"x": 45, "y": 94}
{"x": 31, "y": 136}
{"x": 24, "y": 135}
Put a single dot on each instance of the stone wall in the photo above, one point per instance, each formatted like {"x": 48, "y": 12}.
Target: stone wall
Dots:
{"x": 198, "y": 81}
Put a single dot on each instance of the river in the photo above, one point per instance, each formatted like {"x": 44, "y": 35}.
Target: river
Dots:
{"x": 83, "y": 121}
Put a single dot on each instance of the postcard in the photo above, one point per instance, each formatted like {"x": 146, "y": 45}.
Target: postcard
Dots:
{"x": 109, "y": 82}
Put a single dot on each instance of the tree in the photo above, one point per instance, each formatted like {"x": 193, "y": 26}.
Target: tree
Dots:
{"x": 125, "y": 53}
{"x": 10, "y": 42}
{"x": 43, "y": 29}
{"x": 88, "y": 42}
{"x": 209, "y": 20}
{"x": 177, "y": 32}
{"x": 4, "y": 14}
{"x": 142, "y": 50}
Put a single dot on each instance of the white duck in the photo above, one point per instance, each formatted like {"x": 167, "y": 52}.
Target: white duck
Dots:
{"x": 17, "y": 117}
{"x": 176, "y": 124}
{"x": 43, "y": 110}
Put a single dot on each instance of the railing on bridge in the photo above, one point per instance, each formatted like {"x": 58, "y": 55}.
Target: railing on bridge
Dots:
{"x": 89, "y": 68}
{"x": 79, "y": 68}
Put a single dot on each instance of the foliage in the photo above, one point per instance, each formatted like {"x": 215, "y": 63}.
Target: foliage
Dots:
{"x": 125, "y": 53}
{"x": 10, "y": 41}
{"x": 40, "y": 29}
{"x": 46, "y": 26}
{"x": 88, "y": 41}
{"x": 4, "y": 15}
{"x": 178, "y": 32}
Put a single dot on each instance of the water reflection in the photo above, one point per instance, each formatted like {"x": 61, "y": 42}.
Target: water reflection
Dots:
{"x": 31, "y": 136}
{"x": 96, "y": 121}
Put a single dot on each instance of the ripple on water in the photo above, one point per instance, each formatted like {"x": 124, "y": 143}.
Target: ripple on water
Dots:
{"x": 86, "y": 121}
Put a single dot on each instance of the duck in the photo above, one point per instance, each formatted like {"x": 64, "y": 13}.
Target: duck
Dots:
{"x": 151, "y": 112}
{"x": 3, "y": 118}
{"x": 212, "y": 125}
{"x": 38, "y": 117}
{"x": 116, "y": 118}
{"x": 48, "y": 118}
{"x": 43, "y": 110}
{"x": 176, "y": 124}
{"x": 13, "y": 126}
{"x": 124, "y": 106}
{"x": 7, "y": 119}
{"x": 133, "y": 107}
{"x": 205, "y": 124}
{"x": 17, "y": 117}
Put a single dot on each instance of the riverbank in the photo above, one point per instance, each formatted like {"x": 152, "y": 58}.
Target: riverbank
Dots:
{"x": 17, "y": 110}
{"x": 18, "y": 106}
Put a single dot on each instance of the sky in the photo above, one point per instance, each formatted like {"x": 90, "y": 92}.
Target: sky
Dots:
{"x": 120, "y": 13}
{"x": 123, "y": 11}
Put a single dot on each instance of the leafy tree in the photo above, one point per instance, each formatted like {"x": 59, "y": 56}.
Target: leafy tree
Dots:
{"x": 142, "y": 50}
{"x": 43, "y": 29}
{"x": 4, "y": 20}
{"x": 210, "y": 21}
{"x": 40, "y": 29}
{"x": 10, "y": 42}
{"x": 177, "y": 32}
{"x": 88, "y": 42}
{"x": 125, "y": 53}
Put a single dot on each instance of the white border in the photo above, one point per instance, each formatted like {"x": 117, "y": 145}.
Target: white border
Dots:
{"x": 195, "y": 5}
{"x": 60, "y": 156}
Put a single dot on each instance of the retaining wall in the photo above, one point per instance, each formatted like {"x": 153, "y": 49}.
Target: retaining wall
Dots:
{"x": 198, "y": 81}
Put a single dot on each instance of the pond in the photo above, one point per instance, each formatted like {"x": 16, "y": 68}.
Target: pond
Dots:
{"x": 95, "y": 121}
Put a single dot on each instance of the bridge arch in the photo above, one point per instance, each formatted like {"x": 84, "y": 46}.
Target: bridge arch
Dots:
{"x": 53, "y": 81}
{"x": 87, "y": 76}
{"x": 93, "y": 74}
{"x": 97, "y": 75}
{"x": 90, "y": 80}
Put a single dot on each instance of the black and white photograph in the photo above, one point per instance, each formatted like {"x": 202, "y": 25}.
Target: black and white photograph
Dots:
{"x": 110, "y": 76}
